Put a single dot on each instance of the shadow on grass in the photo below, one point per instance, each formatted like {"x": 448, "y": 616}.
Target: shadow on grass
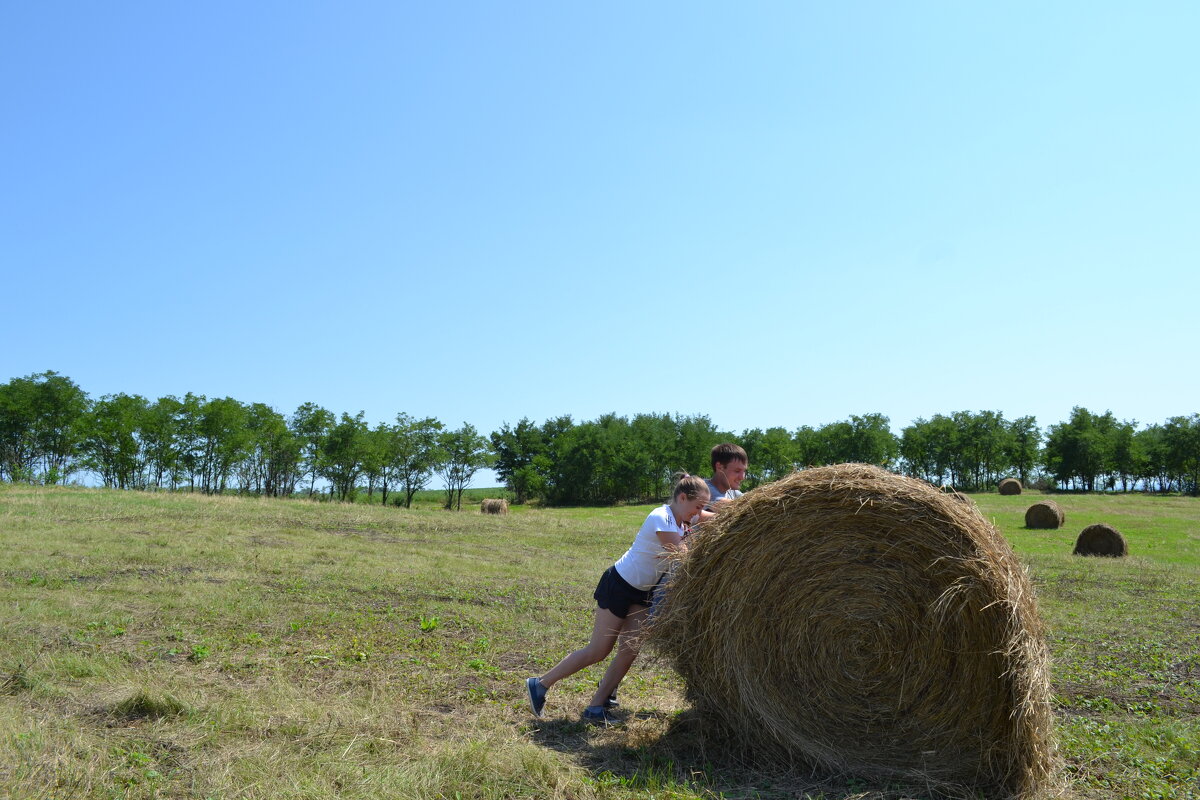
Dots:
{"x": 654, "y": 751}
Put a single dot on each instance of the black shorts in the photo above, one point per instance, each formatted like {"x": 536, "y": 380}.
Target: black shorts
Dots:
{"x": 615, "y": 594}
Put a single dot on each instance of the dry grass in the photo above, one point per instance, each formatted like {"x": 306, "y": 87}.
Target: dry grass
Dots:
{"x": 160, "y": 645}
{"x": 864, "y": 623}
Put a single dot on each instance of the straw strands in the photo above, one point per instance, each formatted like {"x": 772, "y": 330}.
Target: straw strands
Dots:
{"x": 1045, "y": 514}
{"x": 865, "y": 623}
{"x": 1009, "y": 486}
{"x": 493, "y": 506}
{"x": 1101, "y": 540}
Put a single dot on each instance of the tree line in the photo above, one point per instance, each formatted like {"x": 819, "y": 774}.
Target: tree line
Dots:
{"x": 51, "y": 430}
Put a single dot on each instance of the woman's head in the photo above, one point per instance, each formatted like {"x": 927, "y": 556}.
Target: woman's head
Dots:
{"x": 689, "y": 494}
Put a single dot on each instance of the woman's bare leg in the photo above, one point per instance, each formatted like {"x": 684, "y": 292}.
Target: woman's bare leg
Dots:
{"x": 605, "y": 630}
{"x": 627, "y": 650}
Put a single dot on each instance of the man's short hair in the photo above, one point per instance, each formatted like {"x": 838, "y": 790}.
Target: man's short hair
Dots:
{"x": 728, "y": 451}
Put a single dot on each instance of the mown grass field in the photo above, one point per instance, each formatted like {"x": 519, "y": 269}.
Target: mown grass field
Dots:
{"x": 172, "y": 645}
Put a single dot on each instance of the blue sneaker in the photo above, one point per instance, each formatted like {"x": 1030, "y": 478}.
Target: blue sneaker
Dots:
{"x": 537, "y": 695}
{"x": 598, "y": 715}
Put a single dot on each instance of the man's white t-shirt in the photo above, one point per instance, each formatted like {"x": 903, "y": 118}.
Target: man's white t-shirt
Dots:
{"x": 645, "y": 561}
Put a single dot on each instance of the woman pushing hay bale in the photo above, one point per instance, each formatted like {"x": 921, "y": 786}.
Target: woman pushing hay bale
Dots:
{"x": 868, "y": 624}
{"x": 1101, "y": 540}
{"x": 1045, "y": 514}
{"x": 1009, "y": 486}
{"x": 493, "y": 506}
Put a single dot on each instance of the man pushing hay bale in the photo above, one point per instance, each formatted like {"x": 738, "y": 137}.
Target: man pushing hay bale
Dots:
{"x": 494, "y": 506}
{"x": 1009, "y": 486}
{"x": 867, "y": 624}
{"x": 1101, "y": 540}
{"x": 1045, "y": 514}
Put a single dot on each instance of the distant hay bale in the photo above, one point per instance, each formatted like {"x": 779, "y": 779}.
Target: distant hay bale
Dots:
{"x": 492, "y": 506}
{"x": 1009, "y": 486}
{"x": 1045, "y": 514}
{"x": 1101, "y": 540}
{"x": 865, "y": 623}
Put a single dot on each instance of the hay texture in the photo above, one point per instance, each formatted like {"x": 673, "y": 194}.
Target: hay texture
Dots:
{"x": 493, "y": 506}
{"x": 962, "y": 498}
{"x": 1009, "y": 486}
{"x": 1101, "y": 540}
{"x": 1045, "y": 514}
{"x": 864, "y": 623}
{"x": 950, "y": 491}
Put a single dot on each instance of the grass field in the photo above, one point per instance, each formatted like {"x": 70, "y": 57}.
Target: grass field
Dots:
{"x": 173, "y": 645}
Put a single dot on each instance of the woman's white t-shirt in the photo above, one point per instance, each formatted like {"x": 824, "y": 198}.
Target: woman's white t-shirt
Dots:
{"x": 646, "y": 559}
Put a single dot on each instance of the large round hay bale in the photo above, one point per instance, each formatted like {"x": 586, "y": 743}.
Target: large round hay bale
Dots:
{"x": 1045, "y": 514}
{"x": 1009, "y": 486}
{"x": 865, "y": 623}
{"x": 494, "y": 506}
{"x": 1101, "y": 540}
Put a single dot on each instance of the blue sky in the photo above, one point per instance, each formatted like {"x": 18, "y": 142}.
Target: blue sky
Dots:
{"x": 774, "y": 214}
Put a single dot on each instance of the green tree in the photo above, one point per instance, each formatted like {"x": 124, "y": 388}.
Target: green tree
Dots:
{"x": 515, "y": 449}
{"x": 460, "y": 454}
{"x": 1126, "y": 455}
{"x": 1081, "y": 450}
{"x": 696, "y": 438}
{"x": 982, "y": 444}
{"x": 863, "y": 439}
{"x": 271, "y": 465}
{"x": 1024, "y": 446}
{"x": 654, "y": 437}
{"x": 41, "y": 427}
{"x": 160, "y": 433}
{"x": 377, "y": 442}
{"x": 113, "y": 442}
{"x": 413, "y": 454}
{"x": 1181, "y": 435}
{"x": 310, "y": 425}
{"x": 189, "y": 439}
{"x": 811, "y": 448}
{"x": 918, "y": 452}
{"x": 223, "y": 440}
{"x": 341, "y": 457}
{"x": 771, "y": 455}
{"x": 18, "y": 444}
{"x": 1152, "y": 448}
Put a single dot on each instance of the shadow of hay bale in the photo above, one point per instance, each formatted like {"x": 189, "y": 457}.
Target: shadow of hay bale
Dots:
{"x": 1101, "y": 540}
{"x": 692, "y": 751}
{"x": 1009, "y": 486}
{"x": 1045, "y": 515}
{"x": 869, "y": 625}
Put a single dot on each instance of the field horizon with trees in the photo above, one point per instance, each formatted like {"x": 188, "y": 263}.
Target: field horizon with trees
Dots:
{"x": 52, "y": 431}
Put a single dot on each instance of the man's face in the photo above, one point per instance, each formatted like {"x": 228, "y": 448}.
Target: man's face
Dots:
{"x": 735, "y": 473}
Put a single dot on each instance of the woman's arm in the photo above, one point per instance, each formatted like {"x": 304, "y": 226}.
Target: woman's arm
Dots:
{"x": 671, "y": 541}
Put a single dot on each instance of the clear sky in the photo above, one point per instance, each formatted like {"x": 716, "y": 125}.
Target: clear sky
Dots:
{"x": 769, "y": 213}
